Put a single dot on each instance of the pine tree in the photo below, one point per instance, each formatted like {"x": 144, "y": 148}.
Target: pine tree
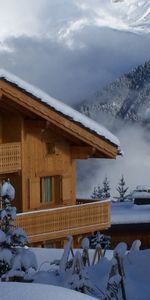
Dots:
{"x": 94, "y": 194}
{"x": 106, "y": 188}
{"x": 100, "y": 193}
{"x": 97, "y": 193}
{"x": 122, "y": 189}
{"x": 12, "y": 239}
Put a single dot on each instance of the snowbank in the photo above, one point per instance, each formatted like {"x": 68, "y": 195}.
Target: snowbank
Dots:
{"x": 137, "y": 275}
{"x": 45, "y": 256}
{"x": 24, "y": 291}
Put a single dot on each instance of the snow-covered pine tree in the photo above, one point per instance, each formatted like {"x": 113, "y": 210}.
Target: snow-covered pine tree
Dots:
{"x": 94, "y": 194}
{"x": 98, "y": 193}
{"x": 15, "y": 260}
{"x": 106, "y": 188}
{"x": 122, "y": 189}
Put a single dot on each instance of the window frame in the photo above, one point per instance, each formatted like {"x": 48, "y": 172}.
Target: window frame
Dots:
{"x": 55, "y": 188}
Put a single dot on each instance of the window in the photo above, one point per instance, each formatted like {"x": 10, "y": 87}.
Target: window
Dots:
{"x": 51, "y": 189}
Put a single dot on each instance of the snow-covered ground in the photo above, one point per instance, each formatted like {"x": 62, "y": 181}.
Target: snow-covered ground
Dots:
{"x": 135, "y": 265}
{"x": 46, "y": 272}
{"x": 47, "y": 255}
{"x": 137, "y": 275}
{"x": 25, "y": 291}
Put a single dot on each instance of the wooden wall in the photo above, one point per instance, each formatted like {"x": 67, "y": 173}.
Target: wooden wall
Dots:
{"x": 45, "y": 154}
{"x": 0, "y": 129}
{"x": 128, "y": 233}
{"x": 10, "y": 131}
{"x": 11, "y": 127}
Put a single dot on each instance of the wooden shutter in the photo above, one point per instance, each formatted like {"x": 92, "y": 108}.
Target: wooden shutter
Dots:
{"x": 58, "y": 189}
{"x": 34, "y": 192}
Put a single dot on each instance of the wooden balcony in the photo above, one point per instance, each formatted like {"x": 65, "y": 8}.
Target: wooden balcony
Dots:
{"x": 10, "y": 157}
{"x": 57, "y": 223}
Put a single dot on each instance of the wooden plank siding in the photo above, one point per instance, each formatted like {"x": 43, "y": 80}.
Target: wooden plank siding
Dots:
{"x": 46, "y": 154}
{"x": 57, "y": 223}
{"x": 128, "y": 233}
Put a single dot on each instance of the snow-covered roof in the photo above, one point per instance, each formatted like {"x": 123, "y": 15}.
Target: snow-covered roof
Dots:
{"x": 141, "y": 195}
{"x": 129, "y": 213}
{"x": 142, "y": 188}
{"x": 60, "y": 107}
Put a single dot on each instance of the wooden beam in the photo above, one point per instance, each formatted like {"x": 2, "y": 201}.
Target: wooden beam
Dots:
{"x": 78, "y": 152}
{"x": 9, "y": 106}
{"x": 66, "y": 135}
{"x": 36, "y": 124}
{"x": 1, "y": 92}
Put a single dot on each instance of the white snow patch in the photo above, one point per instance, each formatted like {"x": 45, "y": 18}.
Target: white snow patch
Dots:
{"x": 46, "y": 256}
{"x": 137, "y": 275}
{"x": 32, "y": 291}
{"x": 2, "y": 236}
{"x": 135, "y": 246}
{"x": 24, "y": 259}
{"x": 8, "y": 190}
{"x": 128, "y": 213}
{"x": 6, "y": 255}
{"x": 120, "y": 249}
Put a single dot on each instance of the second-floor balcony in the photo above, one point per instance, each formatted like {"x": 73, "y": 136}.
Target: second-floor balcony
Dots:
{"x": 10, "y": 157}
{"x": 56, "y": 223}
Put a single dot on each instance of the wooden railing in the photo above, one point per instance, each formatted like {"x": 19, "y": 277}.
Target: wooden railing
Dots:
{"x": 83, "y": 201}
{"x": 10, "y": 157}
{"x": 59, "y": 222}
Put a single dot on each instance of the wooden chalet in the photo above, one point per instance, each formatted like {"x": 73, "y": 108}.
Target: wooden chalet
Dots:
{"x": 40, "y": 141}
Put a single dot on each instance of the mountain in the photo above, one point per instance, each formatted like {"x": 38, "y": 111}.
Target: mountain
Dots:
{"x": 127, "y": 98}
{"x": 133, "y": 14}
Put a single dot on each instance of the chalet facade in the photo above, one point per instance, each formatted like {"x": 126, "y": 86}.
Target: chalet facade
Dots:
{"x": 40, "y": 141}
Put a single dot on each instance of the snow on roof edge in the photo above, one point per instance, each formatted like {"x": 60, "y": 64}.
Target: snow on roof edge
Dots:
{"x": 61, "y": 107}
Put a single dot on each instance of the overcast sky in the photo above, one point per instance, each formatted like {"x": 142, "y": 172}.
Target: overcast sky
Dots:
{"x": 70, "y": 48}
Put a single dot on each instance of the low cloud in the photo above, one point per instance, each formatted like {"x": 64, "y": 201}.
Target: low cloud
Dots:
{"x": 97, "y": 57}
{"x": 134, "y": 165}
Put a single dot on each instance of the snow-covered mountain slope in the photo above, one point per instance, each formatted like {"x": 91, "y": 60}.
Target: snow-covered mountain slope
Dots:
{"x": 127, "y": 98}
{"x": 133, "y": 15}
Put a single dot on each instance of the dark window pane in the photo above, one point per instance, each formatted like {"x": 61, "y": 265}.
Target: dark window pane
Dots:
{"x": 46, "y": 189}
{"x": 51, "y": 189}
